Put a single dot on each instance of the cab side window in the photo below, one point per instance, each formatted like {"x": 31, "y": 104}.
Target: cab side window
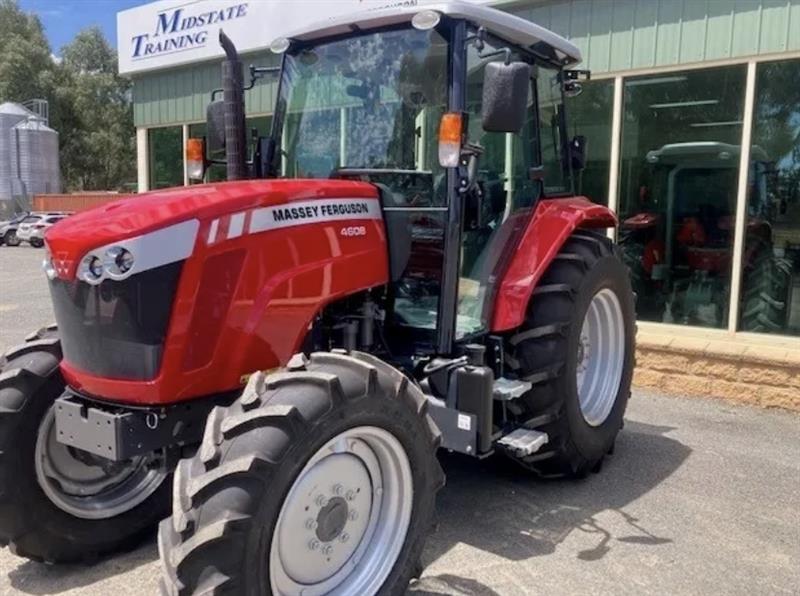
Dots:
{"x": 551, "y": 148}
{"x": 506, "y": 187}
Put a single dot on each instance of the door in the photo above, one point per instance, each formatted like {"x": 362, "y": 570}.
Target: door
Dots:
{"x": 508, "y": 196}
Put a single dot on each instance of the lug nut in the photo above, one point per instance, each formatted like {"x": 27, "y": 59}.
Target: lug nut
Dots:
{"x": 313, "y": 544}
{"x": 311, "y": 524}
{"x": 321, "y": 501}
{"x": 338, "y": 489}
{"x": 344, "y": 537}
{"x": 327, "y": 550}
{"x": 353, "y": 515}
{"x": 351, "y": 495}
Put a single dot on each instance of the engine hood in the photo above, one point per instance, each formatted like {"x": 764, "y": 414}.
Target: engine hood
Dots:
{"x": 134, "y": 216}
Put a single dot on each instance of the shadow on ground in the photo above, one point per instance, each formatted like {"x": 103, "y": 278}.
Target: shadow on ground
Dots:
{"x": 493, "y": 506}
{"x": 35, "y": 578}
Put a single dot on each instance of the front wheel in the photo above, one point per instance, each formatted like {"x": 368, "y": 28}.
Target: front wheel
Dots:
{"x": 36, "y": 242}
{"x": 320, "y": 479}
{"x": 59, "y": 504}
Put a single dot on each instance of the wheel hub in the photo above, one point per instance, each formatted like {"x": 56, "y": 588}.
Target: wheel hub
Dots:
{"x": 343, "y": 523}
{"x": 314, "y": 525}
{"x": 332, "y": 519}
{"x": 600, "y": 357}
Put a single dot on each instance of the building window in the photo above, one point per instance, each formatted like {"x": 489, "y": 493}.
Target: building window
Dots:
{"x": 166, "y": 156}
{"x": 681, "y": 136}
{"x": 589, "y": 115}
{"x": 770, "y": 297}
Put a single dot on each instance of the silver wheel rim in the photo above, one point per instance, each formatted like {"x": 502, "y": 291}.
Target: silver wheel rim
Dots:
{"x": 344, "y": 521}
{"x": 601, "y": 356}
{"x": 85, "y": 488}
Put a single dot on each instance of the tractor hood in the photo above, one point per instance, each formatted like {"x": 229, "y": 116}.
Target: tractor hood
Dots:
{"x": 184, "y": 210}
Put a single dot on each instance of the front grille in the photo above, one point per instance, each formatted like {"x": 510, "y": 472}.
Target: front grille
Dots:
{"x": 116, "y": 329}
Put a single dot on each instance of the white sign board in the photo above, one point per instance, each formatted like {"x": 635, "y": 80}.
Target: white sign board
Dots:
{"x": 167, "y": 33}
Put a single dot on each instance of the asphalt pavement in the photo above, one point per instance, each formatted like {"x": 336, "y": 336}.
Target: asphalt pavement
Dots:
{"x": 700, "y": 497}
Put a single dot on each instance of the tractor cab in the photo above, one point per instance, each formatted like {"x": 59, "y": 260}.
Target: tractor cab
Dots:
{"x": 455, "y": 113}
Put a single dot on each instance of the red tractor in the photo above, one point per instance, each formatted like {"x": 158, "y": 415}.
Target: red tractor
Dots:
{"x": 293, "y": 346}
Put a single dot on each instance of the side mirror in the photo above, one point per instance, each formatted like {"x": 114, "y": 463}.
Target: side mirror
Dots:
{"x": 505, "y": 96}
{"x": 215, "y": 127}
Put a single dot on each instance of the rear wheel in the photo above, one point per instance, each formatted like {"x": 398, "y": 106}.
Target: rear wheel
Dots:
{"x": 320, "y": 479}
{"x": 577, "y": 349}
{"x": 59, "y": 504}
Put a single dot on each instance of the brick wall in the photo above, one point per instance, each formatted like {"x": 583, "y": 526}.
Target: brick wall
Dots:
{"x": 754, "y": 373}
{"x": 73, "y": 202}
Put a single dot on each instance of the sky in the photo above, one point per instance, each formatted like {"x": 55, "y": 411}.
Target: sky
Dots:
{"x": 62, "y": 19}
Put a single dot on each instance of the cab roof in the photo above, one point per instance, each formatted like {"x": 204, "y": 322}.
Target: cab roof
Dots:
{"x": 513, "y": 29}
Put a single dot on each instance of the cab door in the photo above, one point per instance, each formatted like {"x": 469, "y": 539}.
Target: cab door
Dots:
{"x": 509, "y": 194}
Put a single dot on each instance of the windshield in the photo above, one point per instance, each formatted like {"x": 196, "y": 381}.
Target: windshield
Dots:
{"x": 372, "y": 101}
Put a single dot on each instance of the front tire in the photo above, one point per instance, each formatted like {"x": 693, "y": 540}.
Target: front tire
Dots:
{"x": 577, "y": 349}
{"x": 322, "y": 477}
{"x": 53, "y": 499}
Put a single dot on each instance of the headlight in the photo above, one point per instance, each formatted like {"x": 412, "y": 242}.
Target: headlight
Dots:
{"x": 91, "y": 270}
{"x": 131, "y": 256}
{"x": 118, "y": 262}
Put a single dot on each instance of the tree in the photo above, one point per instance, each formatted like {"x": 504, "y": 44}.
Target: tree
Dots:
{"x": 25, "y": 59}
{"x": 102, "y": 150}
{"x": 90, "y": 104}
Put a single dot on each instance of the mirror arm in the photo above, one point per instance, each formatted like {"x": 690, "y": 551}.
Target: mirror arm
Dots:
{"x": 259, "y": 72}
{"x": 478, "y": 40}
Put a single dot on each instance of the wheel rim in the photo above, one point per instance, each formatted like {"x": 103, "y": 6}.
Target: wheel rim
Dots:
{"x": 344, "y": 521}
{"x": 89, "y": 487}
{"x": 601, "y": 356}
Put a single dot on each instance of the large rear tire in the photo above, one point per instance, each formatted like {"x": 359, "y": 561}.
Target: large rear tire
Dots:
{"x": 319, "y": 478}
{"x": 59, "y": 505}
{"x": 577, "y": 349}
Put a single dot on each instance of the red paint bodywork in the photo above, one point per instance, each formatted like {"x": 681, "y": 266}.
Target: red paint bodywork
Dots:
{"x": 242, "y": 304}
{"x": 246, "y": 303}
{"x": 552, "y": 223}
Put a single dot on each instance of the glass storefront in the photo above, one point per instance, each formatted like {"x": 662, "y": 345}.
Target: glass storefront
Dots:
{"x": 680, "y": 147}
{"x": 166, "y": 156}
{"x": 770, "y": 296}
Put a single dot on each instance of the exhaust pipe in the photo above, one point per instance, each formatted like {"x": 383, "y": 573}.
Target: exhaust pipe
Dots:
{"x": 233, "y": 99}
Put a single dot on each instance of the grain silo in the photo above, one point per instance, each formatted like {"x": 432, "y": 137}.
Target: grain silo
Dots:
{"x": 28, "y": 157}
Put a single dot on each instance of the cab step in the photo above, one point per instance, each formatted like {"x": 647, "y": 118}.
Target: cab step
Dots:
{"x": 507, "y": 389}
{"x": 523, "y": 441}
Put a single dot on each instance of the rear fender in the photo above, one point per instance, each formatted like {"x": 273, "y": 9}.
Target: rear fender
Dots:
{"x": 553, "y": 222}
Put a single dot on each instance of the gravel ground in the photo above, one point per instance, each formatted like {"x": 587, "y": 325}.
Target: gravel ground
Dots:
{"x": 700, "y": 497}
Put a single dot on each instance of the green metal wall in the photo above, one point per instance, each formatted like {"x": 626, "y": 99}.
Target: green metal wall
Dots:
{"x": 180, "y": 95}
{"x": 618, "y": 35}
{"x": 614, "y": 35}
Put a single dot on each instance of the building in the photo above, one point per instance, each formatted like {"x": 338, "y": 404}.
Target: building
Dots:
{"x": 693, "y": 124}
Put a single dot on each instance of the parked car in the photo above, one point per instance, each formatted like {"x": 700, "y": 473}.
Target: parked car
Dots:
{"x": 20, "y": 228}
{"x": 32, "y": 232}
